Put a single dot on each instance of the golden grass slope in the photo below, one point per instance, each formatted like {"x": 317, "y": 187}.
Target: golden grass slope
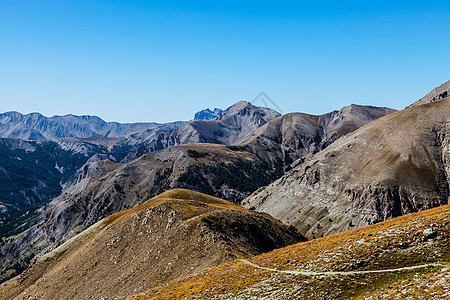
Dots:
{"x": 171, "y": 235}
{"x": 394, "y": 244}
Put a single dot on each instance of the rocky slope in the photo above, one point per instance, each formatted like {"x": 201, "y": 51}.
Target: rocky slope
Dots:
{"x": 395, "y": 165}
{"x": 172, "y": 235}
{"x": 295, "y": 135}
{"x": 441, "y": 92}
{"x": 403, "y": 258}
{"x": 35, "y": 126}
{"x": 87, "y": 139}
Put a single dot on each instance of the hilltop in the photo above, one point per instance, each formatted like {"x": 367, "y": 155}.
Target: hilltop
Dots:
{"x": 177, "y": 233}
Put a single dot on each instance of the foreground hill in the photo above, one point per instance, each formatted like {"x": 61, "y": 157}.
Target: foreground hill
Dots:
{"x": 395, "y": 165}
{"x": 175, "y": 234}
{"x": 403, "y": 258}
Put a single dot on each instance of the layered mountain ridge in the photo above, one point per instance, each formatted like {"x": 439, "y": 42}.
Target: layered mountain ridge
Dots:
{"x": 322, "y": 174}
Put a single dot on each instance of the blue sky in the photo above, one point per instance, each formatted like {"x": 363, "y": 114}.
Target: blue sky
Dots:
{"x": 161, "y": 61}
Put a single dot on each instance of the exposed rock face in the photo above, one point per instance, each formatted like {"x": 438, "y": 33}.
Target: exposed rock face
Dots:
{"x": 295, "y": 135}
{"x": 438, "y": 93}
{"x": 170, "y": 236}
{"x": 393, "y": 166}
{"x": 207, "y": 114}
{"x": 35, "y": 126}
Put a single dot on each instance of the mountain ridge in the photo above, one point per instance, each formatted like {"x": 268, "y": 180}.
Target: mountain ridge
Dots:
{"x": 392, "y": 166}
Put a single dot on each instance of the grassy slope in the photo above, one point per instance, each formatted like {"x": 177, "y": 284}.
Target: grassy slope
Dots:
{"x": 391, "y": 244}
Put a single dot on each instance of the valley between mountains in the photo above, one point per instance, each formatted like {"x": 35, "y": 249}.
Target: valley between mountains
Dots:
{"x": 240, "y": 203}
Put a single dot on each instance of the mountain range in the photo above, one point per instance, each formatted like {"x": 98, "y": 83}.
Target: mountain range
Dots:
{"x": 321, "y": 175}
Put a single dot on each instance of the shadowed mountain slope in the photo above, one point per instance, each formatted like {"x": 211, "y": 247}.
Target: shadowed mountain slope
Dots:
{"x": 395, "y": 165}
{"x": 177, "y": 233}
{"x": 33, "y": 172}
{"x": 400, "y": 257}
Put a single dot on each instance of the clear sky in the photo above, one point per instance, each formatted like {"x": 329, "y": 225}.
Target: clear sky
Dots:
{"x": 163, "y": 60}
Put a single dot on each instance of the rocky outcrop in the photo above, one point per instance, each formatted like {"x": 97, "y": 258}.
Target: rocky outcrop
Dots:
{"x": 170, "y": 236}
{"x": 441, "y": 92}
{"x": 393, "y": 166}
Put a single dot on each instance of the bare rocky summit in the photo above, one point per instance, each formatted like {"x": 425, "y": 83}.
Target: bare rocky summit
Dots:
{"x": 395, "y": 165}
{"x": 207, "y": 114}
{"x": 233, "y": 124}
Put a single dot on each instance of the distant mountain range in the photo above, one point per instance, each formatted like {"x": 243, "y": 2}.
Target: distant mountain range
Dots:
{"x": 238, "y": 160}
{"x": 35, "y": 126}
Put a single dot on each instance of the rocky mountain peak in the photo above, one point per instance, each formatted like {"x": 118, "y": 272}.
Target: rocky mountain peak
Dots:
{"x": 243, "y": 108}
{"x": 207, "y": 114}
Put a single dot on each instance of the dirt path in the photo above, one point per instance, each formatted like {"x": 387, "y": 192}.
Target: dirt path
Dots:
{"x": 308, "y": 273}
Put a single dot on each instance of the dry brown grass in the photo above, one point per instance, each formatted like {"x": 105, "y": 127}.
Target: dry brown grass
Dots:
{"x": 374, "y": 247}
